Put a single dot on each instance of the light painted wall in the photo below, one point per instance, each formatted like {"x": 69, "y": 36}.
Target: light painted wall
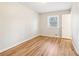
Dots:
{"x": 18, "y": 23}
{"x": 44, "y": 28}
{"x": 66, "y": 26}
{"x": 75, "y": 25}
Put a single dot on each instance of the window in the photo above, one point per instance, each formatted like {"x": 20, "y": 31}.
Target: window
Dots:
{"x": 53, "y": 21}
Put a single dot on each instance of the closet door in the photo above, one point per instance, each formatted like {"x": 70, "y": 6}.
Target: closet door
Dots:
{"x": 66, "y": 26}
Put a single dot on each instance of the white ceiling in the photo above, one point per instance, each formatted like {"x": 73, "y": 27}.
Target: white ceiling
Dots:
{"x": 48, "y": 7}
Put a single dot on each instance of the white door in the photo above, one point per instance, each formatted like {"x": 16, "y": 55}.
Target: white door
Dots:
{"x": 66, "y": 26}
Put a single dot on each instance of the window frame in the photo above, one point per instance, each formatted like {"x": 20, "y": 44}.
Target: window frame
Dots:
{"x": 57, "y": 21}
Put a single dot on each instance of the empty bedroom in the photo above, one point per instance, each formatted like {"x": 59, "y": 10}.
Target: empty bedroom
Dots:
{"x": 39, "y": 29}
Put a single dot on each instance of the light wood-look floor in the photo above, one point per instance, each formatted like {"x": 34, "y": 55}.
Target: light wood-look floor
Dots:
{"x": 42, "y": 46}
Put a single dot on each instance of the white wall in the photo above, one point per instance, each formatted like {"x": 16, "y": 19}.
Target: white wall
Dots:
{"x": 66, "y": 26}
{"x": 45, "y": 30}
{"x": 18, "y": 23}
{"x": 75, "y": 26}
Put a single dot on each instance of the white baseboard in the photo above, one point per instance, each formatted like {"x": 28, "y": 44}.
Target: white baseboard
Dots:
{"x": 50, "y": 35}
{"x": 17, "y": 44}
{"x": 68, "y": 37}
{"x": 76, "y": 49}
